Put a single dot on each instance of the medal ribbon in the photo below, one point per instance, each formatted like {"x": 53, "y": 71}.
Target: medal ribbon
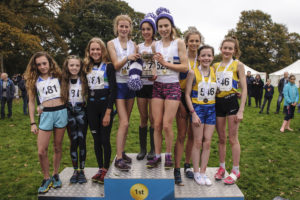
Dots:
{"x": 195, "y": 61}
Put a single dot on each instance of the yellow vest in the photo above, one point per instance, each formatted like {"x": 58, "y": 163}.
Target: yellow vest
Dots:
{"x": 182, "y": 76}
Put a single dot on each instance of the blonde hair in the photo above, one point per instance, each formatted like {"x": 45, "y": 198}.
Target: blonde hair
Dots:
{"x": 233, "y": 39}
{"x": 122, "y": 18}
{"x": 192, "y": 31}
{"x": 32, "y": 73}
{"x": 88, "y": 61}
{"x": 66, "y": 76}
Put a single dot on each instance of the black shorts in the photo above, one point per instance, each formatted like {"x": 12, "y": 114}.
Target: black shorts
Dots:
{"x": 183, "y": 101}
{"x": 289, "y": 112}
{"x": 145, "y": 92}
{"x": 226, "y": 106}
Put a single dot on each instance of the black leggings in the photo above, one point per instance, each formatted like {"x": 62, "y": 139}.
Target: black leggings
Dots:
{"x": 77, "y": 129}
{"x": 96, "y": 110}
{"x": 269, "y": 99}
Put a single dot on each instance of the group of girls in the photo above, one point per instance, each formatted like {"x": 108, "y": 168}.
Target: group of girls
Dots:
{"x": 184, "y": 86}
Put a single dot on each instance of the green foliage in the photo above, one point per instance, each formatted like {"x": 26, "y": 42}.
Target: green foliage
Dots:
{"x": 265, "y": 45}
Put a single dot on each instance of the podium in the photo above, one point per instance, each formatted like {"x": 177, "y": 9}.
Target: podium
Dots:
{"x": 141, "y": 183}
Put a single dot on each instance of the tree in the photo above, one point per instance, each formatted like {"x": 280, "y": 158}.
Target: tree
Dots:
{"x": 294, "y": 46}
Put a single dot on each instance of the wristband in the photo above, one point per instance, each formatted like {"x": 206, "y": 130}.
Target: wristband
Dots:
{"x": 41, "y": 107}
{"x": 32, "y": 123}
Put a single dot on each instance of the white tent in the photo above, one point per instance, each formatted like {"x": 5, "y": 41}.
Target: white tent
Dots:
{"x": 291, "y": 69}
{"x": 263, "y": 75}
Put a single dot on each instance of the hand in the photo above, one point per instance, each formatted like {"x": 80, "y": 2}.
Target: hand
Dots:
{"x": 196, "y": 120}
{"x": 133, "y": 56}
{"x": 106, "y": 119}
{"x": 238, "y": 116}
{"x": 153, "y": 78}
{"x": 39, "y": 110}
{"x": 34, "y": 129}
{"x": 294, "y": 104}
{"x": 159, "y": 57}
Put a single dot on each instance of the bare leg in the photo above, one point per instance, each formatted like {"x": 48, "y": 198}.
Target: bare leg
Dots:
{"x": 221, "y": 129}
{"x": 43, "y": 143}
{"x": 198, "y": 138}
{"x": 233, "y": 127}
{"x": 57, "y": 146}
{"x": 208, "y": 132}
{"x": 157, "y": 111}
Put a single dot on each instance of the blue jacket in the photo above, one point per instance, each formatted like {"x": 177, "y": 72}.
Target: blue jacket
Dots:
{"x": 291, "y": 94}
{"x": 10, "y": 89}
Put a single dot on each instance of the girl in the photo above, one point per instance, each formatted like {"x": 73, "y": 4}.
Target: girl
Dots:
{"x": 193, "y": 39}
{"x": 73, "y": 94}
{"x": 101, "y": 80}
{"x": 148, "y": 28}
{"x": 170, "y": 54}
{"x": 122, "y": 50}
{"x": 200, "y": 98}
{"x": 258, "y": 86}
{"x": 291, "y": 97}
{"x": 229, "y": 73}
{"x": 43, "y": 81}
{"x": 269, "y": 91}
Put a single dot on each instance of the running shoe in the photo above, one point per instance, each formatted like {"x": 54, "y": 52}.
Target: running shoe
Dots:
{"x": 220, "y": 174}
{"x": 104, "y": 171}
{"x": 56, "y": 181}
{"x": 207, "y": 181}
{"x": 188, "y": 171}
{"x": 97, "y": 176}
{"x": 232, "y": 178}
{"x": 153, "y": 163}
{"x": 198, "y": 178}
{"x": 121, "y": 165}
{"x": 168, "y": 162}
{"x": 45, "y": 186}
{"x": 126, "y": 158}
{"x": 81, "y": 177}
{"x": 74, "y": 177}
{"x": 177, "y": 176}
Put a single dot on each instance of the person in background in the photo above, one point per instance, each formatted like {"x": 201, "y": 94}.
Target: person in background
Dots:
{"x": 269, "y": 91}
{"x": 281, "y": 84}
{"x": 291, "y": 97}
{"x": 7, "y": 91}
{"x": 249, "y": 79}
{"x": 258, "y": 85}
{"x": 22, "y": 87}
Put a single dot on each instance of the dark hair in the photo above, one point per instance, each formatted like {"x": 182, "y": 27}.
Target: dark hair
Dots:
{"x": 291, "y": 76}
{"x": 205, "y": 47}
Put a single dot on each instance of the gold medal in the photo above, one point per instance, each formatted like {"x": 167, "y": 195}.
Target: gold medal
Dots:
{"x": 124, "y": 71}
{"x": 164, "y": 71}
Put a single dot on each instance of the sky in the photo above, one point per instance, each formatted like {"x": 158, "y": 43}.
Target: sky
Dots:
{"x": 213, "y": 18}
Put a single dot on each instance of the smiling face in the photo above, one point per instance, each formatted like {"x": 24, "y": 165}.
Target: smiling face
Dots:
{"x": 74, "y": 66}
{"x": 164, "y": 28}
{"x": 42, "y": 64}
{"x": 194, "y": 42}
{"x": 147, "y": 31}
{"x": 206, "y": 57}
{"x": 227, "y": 50}
{"x": 123, "y": 28}
{"x": 95, "y": 51}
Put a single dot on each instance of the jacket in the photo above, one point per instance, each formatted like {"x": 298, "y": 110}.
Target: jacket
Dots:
{"x": 10, "y": 89}
{"x": 291, "y": 94}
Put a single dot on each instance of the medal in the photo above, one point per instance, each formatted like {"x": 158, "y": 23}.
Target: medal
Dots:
{"x": 205, "y": 100}
{"x": 92, "y": 93}
{"x": 124, "y": 71}
{"x": 164, "y": 71}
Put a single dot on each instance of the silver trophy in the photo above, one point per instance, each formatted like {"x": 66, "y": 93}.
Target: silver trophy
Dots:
{"x": 148, "y": 65}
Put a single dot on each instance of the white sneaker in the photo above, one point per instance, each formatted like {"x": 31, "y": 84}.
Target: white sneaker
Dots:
{"x": 199, "y": 179}
{"x": 207, "y": 181}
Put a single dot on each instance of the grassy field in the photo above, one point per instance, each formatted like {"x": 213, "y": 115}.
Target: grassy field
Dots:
{"x": 269, "y": 163}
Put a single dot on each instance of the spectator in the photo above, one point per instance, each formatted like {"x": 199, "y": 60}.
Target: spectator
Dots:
{"x": 7, "y": 90}
{"x": 281, "y": 84}
{"x": 22, "y": 87}
{"x": 269, "y": 91}
{"x": 258, "y": 85}
{"x": 250, "y": 81}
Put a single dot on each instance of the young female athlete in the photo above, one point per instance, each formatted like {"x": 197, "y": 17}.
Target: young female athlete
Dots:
{"x": 200, "y": 94}
{"x": 148, "y": 29}
{"x": 43, "y": 81}
{"x": 192, "y": 39}
{"x": 170, "y": 54}
{"x": 100, "y": 74}
{"x": 230, "y": 73}
{"x": 73, "y": 92}
{"x": 122, "y": 50}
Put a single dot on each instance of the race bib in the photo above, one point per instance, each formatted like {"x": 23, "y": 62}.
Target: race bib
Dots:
{"x": 49, "y": 89}
{"x": 75, "y": 94}
{"x": 226, "y": 83}
{"x": 163, "y": 70}
{"x": 210, "y": 94}
{"x": 96, "y": 79}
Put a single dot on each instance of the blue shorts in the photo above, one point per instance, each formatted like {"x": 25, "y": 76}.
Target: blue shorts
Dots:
{"x": 56, "y": 117}
{"x": 124, "y": 92}
{"x": 206, "y": 113}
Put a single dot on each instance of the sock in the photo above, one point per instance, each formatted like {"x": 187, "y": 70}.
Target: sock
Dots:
{"x": 168, "y": 154}
{"x": 157, "y": 155}
{"x": 202, "y": 174}
{"x": 222, "y": 165}
{"x": 196, "y": 174}
{"x": 236, "y": 169}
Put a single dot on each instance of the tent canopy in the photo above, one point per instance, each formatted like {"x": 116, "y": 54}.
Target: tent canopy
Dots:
{"x": 263, "y": 75}
{"x": 294, "y": 68}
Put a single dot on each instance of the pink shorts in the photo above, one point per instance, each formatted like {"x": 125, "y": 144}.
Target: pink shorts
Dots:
{"x": 170, "y": 91}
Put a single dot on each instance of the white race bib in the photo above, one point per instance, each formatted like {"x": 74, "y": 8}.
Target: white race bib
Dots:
{"x": 211, "y": 92}
{"x": 75, "y": 94}
{"x": 96, "y": 79}
{"x": 49, "y": 89}
{"x": 163, "y": 70}
{"x": 226, "y": 83}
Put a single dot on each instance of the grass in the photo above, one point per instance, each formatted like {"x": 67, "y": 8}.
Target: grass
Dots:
{"x": 269, "y": 160}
